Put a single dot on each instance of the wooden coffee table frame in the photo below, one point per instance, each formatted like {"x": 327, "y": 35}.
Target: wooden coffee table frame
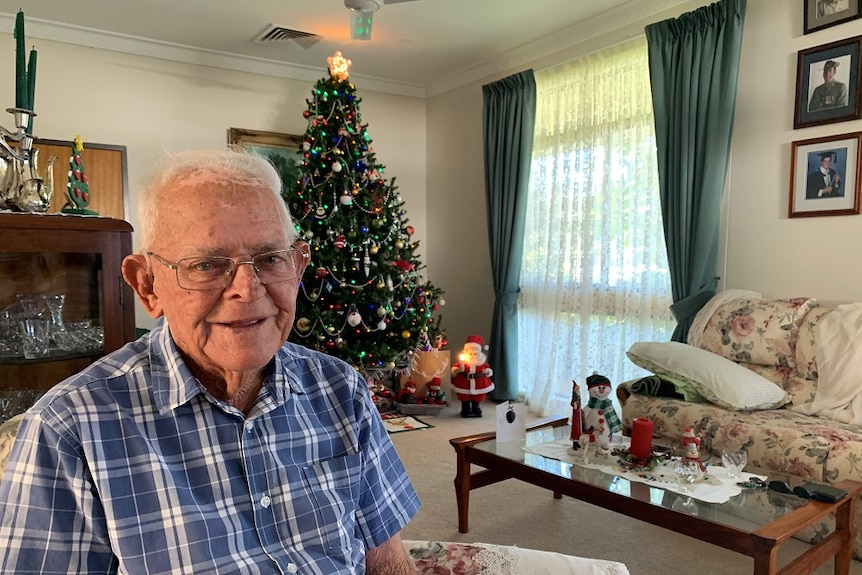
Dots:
{"x": 762, "y": 545}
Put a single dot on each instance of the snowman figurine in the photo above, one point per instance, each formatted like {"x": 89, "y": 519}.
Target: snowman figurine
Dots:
{"x": 599, "y": 417}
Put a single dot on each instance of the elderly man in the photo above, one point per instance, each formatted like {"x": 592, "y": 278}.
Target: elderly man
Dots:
{"x": 209, "y": 445}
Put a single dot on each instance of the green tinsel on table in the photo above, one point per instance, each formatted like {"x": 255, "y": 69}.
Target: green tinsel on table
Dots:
{"x": 628, "y": 461}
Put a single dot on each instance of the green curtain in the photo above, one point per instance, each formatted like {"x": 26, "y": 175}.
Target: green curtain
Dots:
{"x": 509, "y": 116}
{"x": 694, "y": 64}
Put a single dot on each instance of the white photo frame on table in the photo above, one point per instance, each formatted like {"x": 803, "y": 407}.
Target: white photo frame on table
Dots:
{"x": 511, "y": 421}
{"x": 844, "y": 151}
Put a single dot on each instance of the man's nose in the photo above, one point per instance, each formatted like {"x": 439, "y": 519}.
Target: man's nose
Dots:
{"x": 244, "y": 275}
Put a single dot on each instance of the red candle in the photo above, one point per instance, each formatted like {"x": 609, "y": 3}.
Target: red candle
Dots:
{"x": 641, "y": 437}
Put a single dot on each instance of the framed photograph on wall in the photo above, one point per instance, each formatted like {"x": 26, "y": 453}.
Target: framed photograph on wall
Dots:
{"x": 283, "y": 150}
{"x": 824, "y": 176}
{"x": 827, "y": 83}
{"x": 820, "y": 14}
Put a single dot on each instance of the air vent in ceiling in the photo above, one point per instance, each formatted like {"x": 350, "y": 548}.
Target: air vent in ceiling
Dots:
{"x": 280, "y": 35}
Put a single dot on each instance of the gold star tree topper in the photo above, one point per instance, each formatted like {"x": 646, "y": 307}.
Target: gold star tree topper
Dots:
{"x": 339, "y": 66}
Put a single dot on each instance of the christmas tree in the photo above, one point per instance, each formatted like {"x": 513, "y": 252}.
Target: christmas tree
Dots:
{"x": 363, "y": 297}
{"x": 77, "y": 188}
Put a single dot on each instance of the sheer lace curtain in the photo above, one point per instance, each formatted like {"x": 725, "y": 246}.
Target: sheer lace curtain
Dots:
{"x": 594, "y": 276}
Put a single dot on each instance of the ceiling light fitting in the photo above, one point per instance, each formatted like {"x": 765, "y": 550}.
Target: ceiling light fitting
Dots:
{"x": 362, "y": 5}
{"x": 361, "y": 13}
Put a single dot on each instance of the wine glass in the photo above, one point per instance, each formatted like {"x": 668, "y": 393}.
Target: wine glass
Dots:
{"x": 55, "y": 304}
{"x": 734, "y": 461}
{"x": 686, "y": 472}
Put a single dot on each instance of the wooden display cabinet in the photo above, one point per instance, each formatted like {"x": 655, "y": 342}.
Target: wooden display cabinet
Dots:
{"x": 79, "y": 256}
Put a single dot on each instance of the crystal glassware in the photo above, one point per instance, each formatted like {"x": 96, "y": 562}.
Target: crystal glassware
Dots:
{"x": 36, "y": 337}
{"x": 55, "y": 304}
{"x": 32, "y": 305}
{"x": 687, "y": 472}
{"x": 734, "y": 460}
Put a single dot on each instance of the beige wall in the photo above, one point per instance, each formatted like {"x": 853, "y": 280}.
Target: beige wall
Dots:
{"x": 150, "y": 105}
{"x": 766, "y": 250}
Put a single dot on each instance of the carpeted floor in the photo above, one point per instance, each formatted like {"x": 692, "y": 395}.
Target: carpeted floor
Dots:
{"x": 515, "y": 513}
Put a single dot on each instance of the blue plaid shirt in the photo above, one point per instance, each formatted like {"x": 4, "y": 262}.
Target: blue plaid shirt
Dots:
{"x": 132, "y": 467}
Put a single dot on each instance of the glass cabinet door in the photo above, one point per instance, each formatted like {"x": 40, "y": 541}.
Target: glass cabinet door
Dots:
{"x": 63, "y": 303}
{"x": 50, "y": 306}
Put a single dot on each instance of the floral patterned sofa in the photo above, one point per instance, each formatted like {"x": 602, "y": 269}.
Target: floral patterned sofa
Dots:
{"x": 774, "y": 338}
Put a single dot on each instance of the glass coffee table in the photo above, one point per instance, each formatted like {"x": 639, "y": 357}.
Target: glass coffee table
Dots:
{"x": 754, "y": 523}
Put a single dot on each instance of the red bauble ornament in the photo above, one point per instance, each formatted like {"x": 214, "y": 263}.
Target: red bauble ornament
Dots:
{"x": 340, "y": 242}
{"x": 306, "y": 114}
{"x": 410, "y": 231}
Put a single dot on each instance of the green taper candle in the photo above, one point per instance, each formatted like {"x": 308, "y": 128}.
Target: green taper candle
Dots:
{"x": 20, "y": 64}
{"x": 31, "y": 87}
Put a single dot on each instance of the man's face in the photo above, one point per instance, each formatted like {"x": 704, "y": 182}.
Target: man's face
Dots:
{"x": 241, "y": 327}
{"x": 825, "y": 163}
{"x": 828, "y": 74}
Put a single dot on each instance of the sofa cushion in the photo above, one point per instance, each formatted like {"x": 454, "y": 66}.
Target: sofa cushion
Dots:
{"x": 761, "y": 331}
{"x": 697, "y": 373}
{"x": 801, "y": 390}
{"x": 806, "y": 364}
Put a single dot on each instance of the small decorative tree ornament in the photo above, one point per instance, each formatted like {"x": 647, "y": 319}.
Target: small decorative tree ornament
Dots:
{"x": 77, "y": 189}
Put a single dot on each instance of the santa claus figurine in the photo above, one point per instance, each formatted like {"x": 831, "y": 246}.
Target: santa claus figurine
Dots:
{"x": 471, "y": 376}
{"x": 577, "y": 416}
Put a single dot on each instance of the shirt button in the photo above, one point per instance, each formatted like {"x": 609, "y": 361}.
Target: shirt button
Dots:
{"x": 265, "y": 501}
{"x": 292, "y": 568}
{"x": 249, "y": 425}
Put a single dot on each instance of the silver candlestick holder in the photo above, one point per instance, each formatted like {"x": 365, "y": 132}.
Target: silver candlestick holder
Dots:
{"x": 22, "y": 187}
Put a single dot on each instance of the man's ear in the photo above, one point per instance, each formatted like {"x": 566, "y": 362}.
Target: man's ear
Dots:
{"x": 136, "y": 273}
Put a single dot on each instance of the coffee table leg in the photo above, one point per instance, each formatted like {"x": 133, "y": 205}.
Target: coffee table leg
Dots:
{"x": 765, "y": 557}
{"x": 844, "y": 525}
{"x": 462, "y": 488}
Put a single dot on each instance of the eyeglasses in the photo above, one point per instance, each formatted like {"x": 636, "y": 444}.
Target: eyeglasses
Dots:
{"x": 216, "y": 273}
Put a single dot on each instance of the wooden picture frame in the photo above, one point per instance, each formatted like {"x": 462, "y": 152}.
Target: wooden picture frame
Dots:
{"x": 820, "y": 14}
{"x": 283, "y": 150}
{"x": 827, "y": 83}
{"x": 824, "y": 176}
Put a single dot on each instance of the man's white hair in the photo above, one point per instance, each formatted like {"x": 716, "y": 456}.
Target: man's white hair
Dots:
{"x": 235, "y": 163}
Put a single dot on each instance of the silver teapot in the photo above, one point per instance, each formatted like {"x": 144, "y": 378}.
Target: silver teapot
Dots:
{"x": 22, "y": 187}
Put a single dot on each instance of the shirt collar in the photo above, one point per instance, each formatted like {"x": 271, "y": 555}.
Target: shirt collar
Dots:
{"x": 173, "y": 383}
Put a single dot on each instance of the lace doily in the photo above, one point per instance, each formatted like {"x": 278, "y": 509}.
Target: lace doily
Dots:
{"x": 496, "y": 560}
{"x": 447, "y": 558}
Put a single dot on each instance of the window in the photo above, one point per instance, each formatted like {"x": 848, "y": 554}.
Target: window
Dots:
{"x": 594, "y": 278}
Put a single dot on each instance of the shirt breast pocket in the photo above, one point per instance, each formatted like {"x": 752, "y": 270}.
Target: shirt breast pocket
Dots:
{"x": 334, "y": 485}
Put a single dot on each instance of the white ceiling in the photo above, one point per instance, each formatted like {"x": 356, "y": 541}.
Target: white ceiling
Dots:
{"x": 417, "y": 48}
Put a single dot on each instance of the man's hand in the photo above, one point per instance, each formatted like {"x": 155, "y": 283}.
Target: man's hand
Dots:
{"x": 389, "y": 558}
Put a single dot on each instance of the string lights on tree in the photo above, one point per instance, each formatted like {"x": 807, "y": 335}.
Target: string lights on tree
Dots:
{"x": 363, "y": 297}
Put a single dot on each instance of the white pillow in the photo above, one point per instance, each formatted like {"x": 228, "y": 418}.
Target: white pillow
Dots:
{"x": 717, "y": 379}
